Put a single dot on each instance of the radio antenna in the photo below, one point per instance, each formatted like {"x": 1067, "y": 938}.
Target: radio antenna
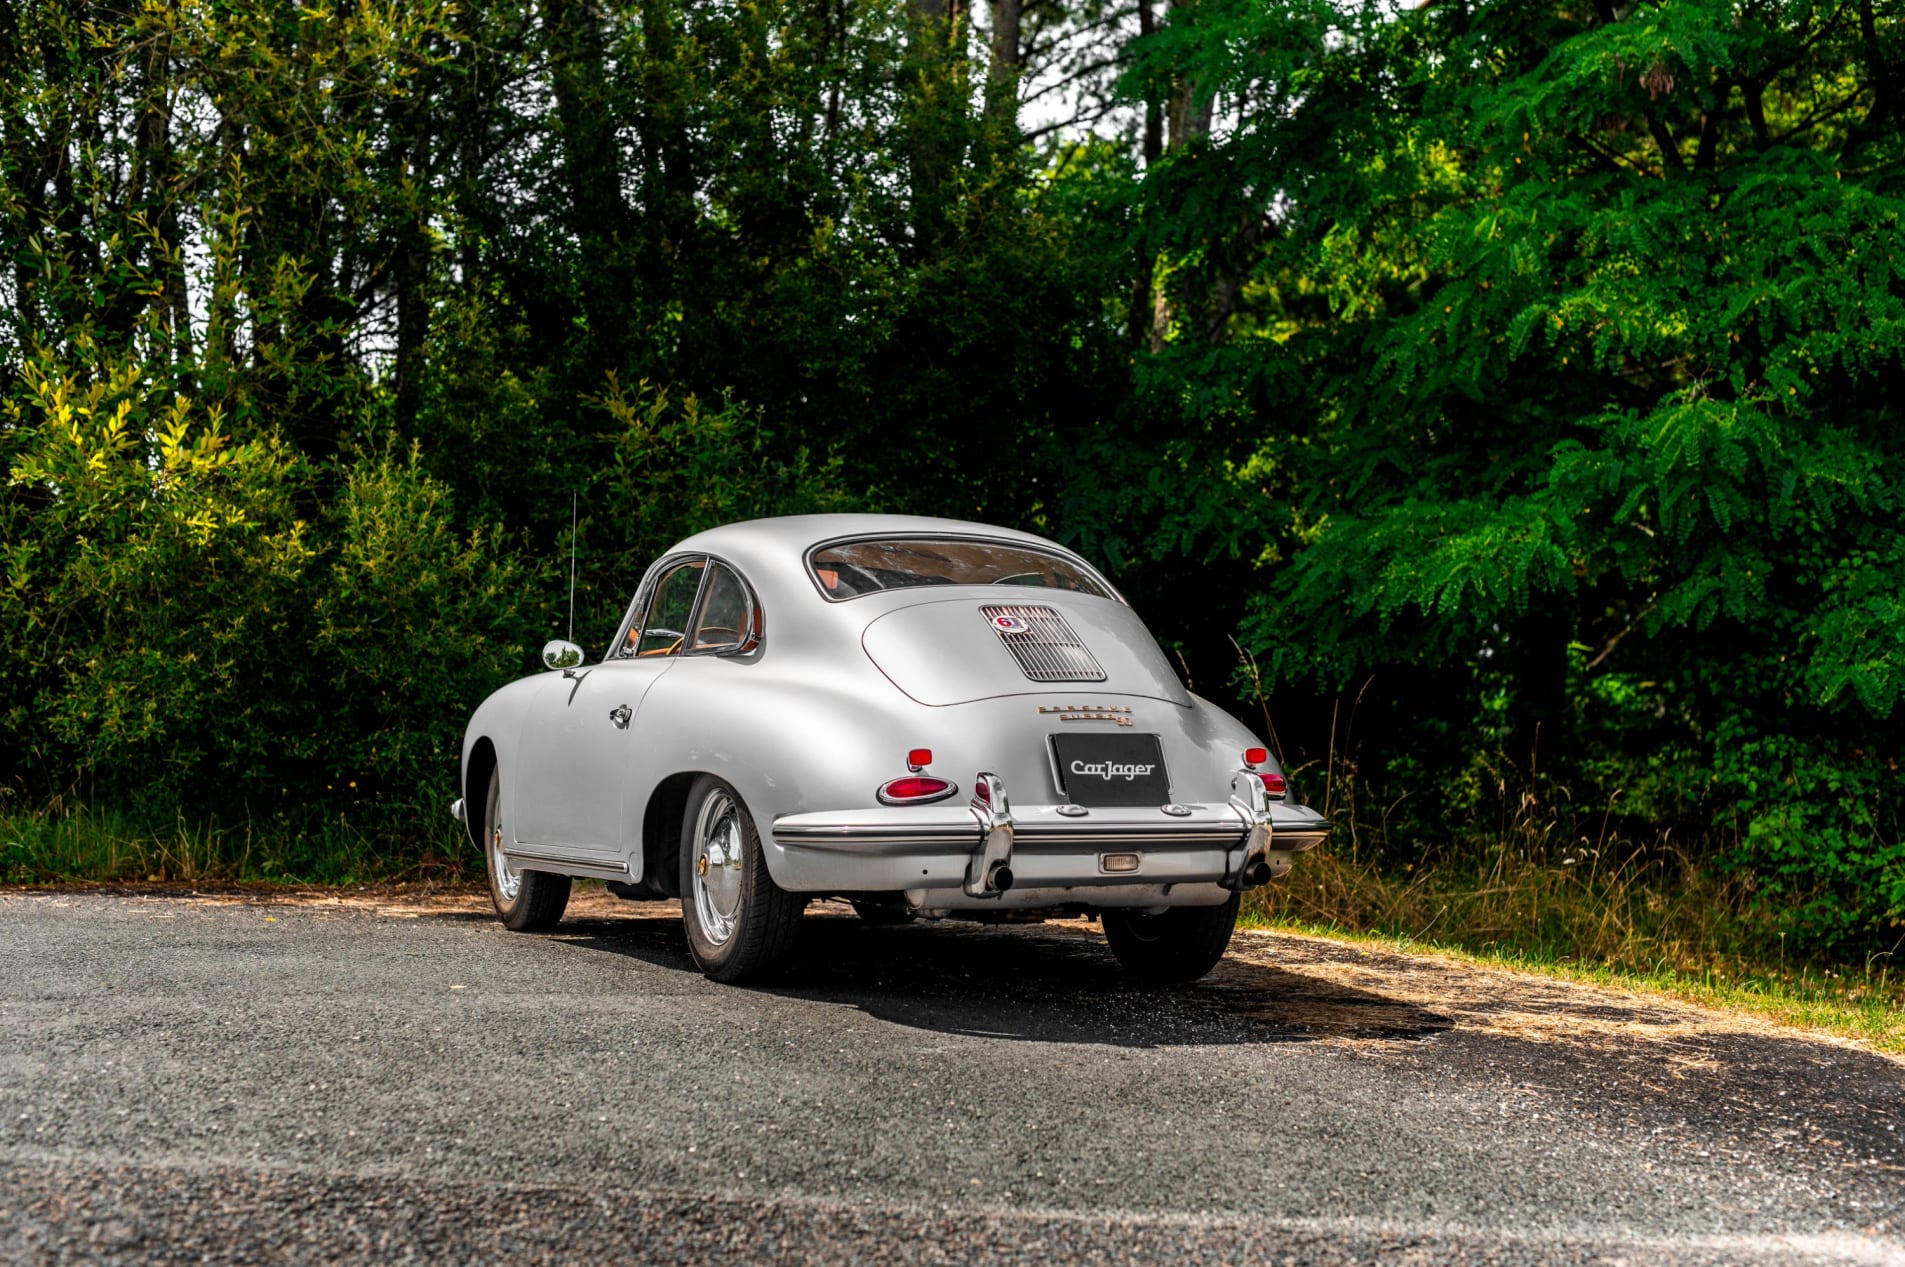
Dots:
{"x": 572, "y": 527}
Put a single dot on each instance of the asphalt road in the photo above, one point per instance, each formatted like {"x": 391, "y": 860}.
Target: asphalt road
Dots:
{"x": 238, "y": 1081}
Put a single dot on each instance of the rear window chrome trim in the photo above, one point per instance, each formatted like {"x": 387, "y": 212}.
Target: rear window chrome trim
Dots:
{"x": 1056, "y": 552}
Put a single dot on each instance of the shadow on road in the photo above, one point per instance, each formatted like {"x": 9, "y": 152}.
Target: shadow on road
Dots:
{"x": 1040, "y": 984}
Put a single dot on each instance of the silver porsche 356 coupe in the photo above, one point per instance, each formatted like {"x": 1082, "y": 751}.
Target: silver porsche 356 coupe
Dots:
{"x": 925, "y": 717}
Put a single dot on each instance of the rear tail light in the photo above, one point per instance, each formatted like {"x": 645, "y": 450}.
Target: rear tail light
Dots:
{"x": 915, "y": 789}
{"x": 1274, "y": 784}
{"x": 918, "y": 759}
{"x": 1256, "y": 756}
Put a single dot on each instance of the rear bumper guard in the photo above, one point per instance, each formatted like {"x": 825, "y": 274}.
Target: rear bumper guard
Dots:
{"x": 1254, "y": 866}
{"x": 989, "y": 873}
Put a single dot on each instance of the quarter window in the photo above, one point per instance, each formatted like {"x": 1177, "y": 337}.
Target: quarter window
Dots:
{"x": 727, "y": 616}
{"x": 665, "y": 625}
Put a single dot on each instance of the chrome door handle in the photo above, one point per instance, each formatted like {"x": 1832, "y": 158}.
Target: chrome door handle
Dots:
{"x": 620, "y": 715}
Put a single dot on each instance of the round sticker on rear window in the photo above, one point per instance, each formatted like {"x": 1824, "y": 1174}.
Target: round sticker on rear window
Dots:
{"x": 1009, "y": 624}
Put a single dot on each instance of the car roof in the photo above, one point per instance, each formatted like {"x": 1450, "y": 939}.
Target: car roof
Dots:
{"x": 782, "y": 543}
{"x": 796, "y": 534}
{"x": 772, "y": 552}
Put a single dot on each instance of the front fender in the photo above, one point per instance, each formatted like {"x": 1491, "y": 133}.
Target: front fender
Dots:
{"x": 497, "y": 721}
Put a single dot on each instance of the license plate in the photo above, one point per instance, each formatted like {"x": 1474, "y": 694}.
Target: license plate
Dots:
{"x": 1112, "y": 769}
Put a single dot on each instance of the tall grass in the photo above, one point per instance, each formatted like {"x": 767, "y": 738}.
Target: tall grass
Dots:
{"x": 1516, "y": 891}
{"x": 1527, "y": 890}
{"x": 67, "y": 843}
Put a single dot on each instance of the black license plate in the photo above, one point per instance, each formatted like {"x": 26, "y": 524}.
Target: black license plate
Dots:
{"x": 1112, "y": 769}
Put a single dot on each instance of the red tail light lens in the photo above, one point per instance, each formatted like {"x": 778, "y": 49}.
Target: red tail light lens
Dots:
{"x": 1274, "y": 784}
{"x": 919, "y": 758}
{"x": 915, "y": 789}
{"x": 1256, "y": 756}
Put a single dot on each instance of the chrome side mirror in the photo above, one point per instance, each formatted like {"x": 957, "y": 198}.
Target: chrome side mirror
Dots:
{"x": 560, "y": 654}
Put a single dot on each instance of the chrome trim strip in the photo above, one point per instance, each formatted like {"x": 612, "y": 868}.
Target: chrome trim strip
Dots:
{"x": 882, "y": 831}
{"x": 1036, "y": 837}
{"x": 1163, "y": 829}
{"x": 1033, "y": 837}
{"x": 935, "y": 844}
{"x": 615, "y": 865}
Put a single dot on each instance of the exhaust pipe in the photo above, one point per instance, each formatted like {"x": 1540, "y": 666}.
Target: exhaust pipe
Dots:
{"x": 1001, "y": 878}
{"x": 1257, "y": 873}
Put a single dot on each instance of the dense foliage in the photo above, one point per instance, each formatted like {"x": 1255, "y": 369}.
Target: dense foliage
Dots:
{"x": 1513, "y": 380}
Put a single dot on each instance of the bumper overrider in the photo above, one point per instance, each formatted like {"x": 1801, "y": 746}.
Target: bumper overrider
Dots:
{"x": 986, "y": 854}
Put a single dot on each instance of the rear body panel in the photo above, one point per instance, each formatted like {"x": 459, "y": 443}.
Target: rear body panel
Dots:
{"x": 946, "y": 651}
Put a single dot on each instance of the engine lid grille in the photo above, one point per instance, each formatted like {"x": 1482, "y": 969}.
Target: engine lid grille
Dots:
{"x": 1043, "y": 643}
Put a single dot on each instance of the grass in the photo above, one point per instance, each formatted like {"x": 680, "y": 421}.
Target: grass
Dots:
{"x": 1857, "y": 1003}
{"x": 1636, "y": 918}
{"x": 65, "y": 845}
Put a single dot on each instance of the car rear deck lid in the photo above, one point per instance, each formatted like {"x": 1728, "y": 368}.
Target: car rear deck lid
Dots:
{"x": 953, "y": 651}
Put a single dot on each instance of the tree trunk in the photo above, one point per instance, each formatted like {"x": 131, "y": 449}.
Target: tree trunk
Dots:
{"x": 410, "y": 275}
{"x": 1002, "y": 79}
{"x": 1153, "y": 109}
{"x": 1189, "y": 120}
{"x": 1141, "y": 324}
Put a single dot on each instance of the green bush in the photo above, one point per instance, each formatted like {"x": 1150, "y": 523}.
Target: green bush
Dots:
{"x": 179, "y": 639}
{"x": 411, "y": 624}
{"x": 158, "y": 578}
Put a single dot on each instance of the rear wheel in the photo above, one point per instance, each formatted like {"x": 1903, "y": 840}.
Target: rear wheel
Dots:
{"x": 1181, "y": 944}
{"x": 740, "y": 923}
{"x": 528, "y": 901}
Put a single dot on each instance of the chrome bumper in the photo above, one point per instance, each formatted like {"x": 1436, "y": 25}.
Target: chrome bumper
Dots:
{"x": 987, "y": 850}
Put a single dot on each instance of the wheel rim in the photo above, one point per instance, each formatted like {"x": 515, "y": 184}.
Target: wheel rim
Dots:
{"x": 717, "y": 868}
{"x": 508, "y": 882}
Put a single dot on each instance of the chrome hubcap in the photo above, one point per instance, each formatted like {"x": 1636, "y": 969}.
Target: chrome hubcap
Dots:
{"x": 717, "y": 867}
{"x": 508, "y": 882}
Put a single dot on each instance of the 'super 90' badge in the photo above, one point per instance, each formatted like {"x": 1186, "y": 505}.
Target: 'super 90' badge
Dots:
{"x": 1010, "y": 624}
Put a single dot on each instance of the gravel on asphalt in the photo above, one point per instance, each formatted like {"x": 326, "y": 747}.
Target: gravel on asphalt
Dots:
{"x": 246, "y": 1079}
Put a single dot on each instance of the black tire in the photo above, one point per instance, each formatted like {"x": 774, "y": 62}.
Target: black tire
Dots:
{"x": 539, "y": 898}
{"x": 741, "y": 925}
{"x": 892, "y": 914}
{"x": 1182, "y": 944}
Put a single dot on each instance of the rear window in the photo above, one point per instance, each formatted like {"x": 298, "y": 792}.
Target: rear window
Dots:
{"x": 852, "y": 568}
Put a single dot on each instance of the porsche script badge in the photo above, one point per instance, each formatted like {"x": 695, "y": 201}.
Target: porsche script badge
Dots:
{"x": 1090, "y": 712}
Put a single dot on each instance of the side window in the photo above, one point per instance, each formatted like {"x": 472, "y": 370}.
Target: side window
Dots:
{"x": 665, "y": 625}
{"x": 727, "y": 616}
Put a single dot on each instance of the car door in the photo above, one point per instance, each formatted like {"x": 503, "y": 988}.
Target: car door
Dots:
{"x": 578, "y": 743}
